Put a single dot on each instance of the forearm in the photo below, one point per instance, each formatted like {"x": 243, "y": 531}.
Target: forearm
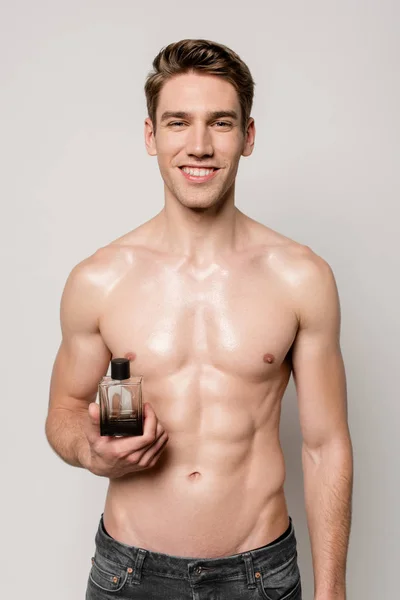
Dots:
{"x": 65, "y": 434}
{"x": 328, "y": 483}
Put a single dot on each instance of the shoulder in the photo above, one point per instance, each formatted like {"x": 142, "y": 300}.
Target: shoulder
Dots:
{"x": 89, "y": 285}
{"x": 92, "y": 280}
{"x": 312, "y": 273}
{"x": 306, "y": 267}
{"x": 312, "y": 285}
{"x": 103, "y": 269}
{"x": 100, "y": 269}
{"x": 304, "y": 276}
{"x": 297, "y": 263}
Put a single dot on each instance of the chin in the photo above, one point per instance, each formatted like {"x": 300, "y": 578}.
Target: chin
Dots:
{"x": 191, "y": 197}
{"x": 199, "y": 203}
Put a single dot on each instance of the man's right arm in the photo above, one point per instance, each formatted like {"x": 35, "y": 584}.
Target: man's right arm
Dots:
{"x": 81, "y": 361}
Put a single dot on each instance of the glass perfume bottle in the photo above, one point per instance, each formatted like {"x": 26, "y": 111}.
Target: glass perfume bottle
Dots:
{"x": 120, "y": 399}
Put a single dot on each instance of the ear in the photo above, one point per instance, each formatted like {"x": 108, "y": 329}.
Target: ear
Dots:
{"x": 149, "y": 138}
{"x": 248, "y": 144}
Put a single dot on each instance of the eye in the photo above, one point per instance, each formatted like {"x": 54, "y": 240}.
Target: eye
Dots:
{"x": 179, "y": 123}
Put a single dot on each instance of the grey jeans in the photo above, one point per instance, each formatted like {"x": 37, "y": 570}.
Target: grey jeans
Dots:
{"x": 131, "y": 573}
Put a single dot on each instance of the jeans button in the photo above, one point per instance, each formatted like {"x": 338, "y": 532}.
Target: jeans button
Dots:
{"x": 198, "y": 570}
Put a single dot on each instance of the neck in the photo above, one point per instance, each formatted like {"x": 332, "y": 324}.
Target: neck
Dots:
{"x": 200, "y": 235}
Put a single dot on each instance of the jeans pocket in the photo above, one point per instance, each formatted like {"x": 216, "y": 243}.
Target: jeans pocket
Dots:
{"x": 283, "y": 583}
{"x": 106, "y": 575}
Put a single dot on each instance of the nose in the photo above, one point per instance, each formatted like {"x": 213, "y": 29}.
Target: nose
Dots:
{"x": 199, "y": 142}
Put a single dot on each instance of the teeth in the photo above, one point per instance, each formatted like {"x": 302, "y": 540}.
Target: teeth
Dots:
{"x": 197, "y": 172}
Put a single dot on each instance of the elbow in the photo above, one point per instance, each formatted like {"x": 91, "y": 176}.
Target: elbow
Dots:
{"x": 337, "y": 448}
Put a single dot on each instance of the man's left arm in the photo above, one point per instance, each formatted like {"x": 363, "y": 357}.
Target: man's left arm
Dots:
{"x": 327, "y": 454}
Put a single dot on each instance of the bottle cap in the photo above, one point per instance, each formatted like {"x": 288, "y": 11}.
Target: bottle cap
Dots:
{"x": 120, "y": 368}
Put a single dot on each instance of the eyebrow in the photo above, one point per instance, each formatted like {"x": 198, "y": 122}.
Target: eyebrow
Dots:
{"x": 216, "y": 114}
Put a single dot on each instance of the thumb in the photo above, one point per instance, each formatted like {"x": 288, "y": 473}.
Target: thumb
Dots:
{"x": 148, "y": 410}
{"x": 94, "y": 413}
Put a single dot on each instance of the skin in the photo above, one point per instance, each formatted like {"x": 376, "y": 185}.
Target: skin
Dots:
{"x": 215, "y": 311}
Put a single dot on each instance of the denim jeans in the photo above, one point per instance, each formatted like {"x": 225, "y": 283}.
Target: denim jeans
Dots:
{"x": 132, "y": 573}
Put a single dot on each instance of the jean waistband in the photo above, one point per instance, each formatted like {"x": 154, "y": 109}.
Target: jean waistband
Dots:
{"x": 138, "y": 560}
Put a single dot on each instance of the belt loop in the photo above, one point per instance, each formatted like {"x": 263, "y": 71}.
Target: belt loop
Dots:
{"x": 248, "y": 561}
{"x": 137, "y": 571}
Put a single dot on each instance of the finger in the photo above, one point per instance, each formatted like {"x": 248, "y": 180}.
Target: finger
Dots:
{"x": 128, "y": 446}
{"x": 154, "y": 450}
{"x": 97, "y": 441}
{"x": 151, "y": 461}
{"x": 159, "y": 430}
{"x": 150, "y": 422}
{"x": 123, "y": 446}
{"x": 92, "y": 424}
{"x": 158, "y": 454}
{"x": 94, "y": 413}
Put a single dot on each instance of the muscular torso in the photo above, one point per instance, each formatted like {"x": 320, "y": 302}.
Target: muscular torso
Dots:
{"x": 212, "y": 344}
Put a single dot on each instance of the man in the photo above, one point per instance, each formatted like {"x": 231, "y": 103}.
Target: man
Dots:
{"x": 214, "y": 311}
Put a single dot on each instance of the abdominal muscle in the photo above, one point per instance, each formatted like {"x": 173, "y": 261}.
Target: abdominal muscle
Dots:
{"x": 217, "y": 488}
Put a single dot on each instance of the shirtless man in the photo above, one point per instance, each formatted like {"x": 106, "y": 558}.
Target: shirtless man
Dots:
{"x": 215, "y": 311}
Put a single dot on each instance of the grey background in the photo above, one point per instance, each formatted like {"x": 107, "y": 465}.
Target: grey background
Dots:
{"x": 75, "y": 175}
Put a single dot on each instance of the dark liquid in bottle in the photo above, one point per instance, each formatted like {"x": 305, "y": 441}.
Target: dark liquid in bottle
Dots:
{"x": 121, "y": 427}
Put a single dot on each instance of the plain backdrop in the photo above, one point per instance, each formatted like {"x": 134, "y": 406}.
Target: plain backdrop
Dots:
{"x": 75, "y": 175}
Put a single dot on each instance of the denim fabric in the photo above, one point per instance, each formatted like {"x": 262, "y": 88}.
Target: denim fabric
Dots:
{"x": 132, "y": 573}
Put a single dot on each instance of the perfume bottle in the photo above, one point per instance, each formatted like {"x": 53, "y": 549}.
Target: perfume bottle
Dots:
{"x": 120, "y": 399}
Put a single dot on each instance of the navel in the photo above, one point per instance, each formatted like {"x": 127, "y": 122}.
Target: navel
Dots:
{"x": 269, "y": 358}
{"x": 194, "y": 475}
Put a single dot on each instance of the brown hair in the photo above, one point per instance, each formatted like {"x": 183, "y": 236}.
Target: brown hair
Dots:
{"x": 201, "y": 56}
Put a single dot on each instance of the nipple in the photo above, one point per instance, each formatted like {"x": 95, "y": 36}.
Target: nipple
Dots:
{"x": 130, "y": 355}
{"x": 269, "y": 358}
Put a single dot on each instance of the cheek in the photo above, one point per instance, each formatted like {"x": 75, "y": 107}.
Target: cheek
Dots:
{"x": 167, "y": 146}
{"x": 228, "y": 146}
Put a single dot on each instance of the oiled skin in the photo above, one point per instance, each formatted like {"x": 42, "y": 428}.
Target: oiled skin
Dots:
{"x": 208, "y": 304}
{"x": 213, "y": 347}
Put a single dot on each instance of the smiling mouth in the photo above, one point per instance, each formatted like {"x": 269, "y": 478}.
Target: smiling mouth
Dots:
{"x": 199, "y": 175}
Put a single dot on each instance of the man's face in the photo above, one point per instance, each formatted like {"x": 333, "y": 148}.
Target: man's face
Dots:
{"x": 200, "y": 136}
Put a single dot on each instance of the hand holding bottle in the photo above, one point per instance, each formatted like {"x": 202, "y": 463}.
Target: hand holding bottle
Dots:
{"x": 114, "y": 457}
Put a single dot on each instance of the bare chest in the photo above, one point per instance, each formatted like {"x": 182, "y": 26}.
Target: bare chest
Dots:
{"x": 235, "y": 320}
